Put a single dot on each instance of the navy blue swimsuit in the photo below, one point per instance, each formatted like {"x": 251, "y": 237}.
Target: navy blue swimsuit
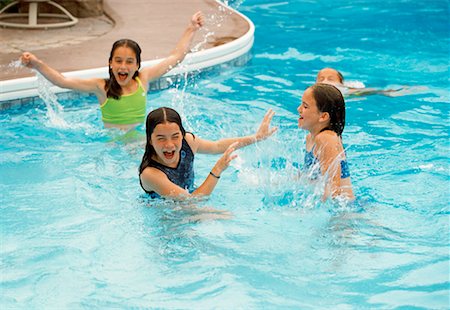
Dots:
{"x": 182, "y": 175}
{"x": 311, "y": 162}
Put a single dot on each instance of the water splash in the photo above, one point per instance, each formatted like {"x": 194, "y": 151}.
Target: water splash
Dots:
{"x": 13, "y": 67}
{"x": 15, "y": 64}
{"x": 54, "y": 113}
{"x": 54, "y": 109}
{"x": 354, "y": 84}
{"x": 182, "y": 100}
{"x": 215, "y": 20}
{"x": 197, "y": 47}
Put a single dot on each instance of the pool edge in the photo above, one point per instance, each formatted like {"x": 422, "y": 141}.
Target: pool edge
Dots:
{"x": 17, "y": 90}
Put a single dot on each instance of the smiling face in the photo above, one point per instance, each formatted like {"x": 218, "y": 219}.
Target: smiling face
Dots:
{"x": 329, "y": 76}
{"x": 167, "y": 139}
{"x": 123, "y": 64}
{"x": 311, "y": 118}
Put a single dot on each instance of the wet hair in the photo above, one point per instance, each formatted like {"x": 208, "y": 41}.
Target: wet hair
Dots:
{"x": 341, "y": 77}
{"x": 159, "y": 116}
{"x": 112, "y": 87}
{"x": 329, "y": 99}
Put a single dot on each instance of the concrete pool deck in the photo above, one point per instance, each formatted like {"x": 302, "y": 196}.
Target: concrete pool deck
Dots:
{"x": 83, "y": 49}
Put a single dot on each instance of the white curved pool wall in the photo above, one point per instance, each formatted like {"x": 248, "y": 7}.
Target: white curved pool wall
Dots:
{"x": 27, "y": 87}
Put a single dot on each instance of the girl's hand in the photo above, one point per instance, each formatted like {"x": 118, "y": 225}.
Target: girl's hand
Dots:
{"x": 197, "y": 20}
{"x": 28, "y": 60}
{"x": 224, "y": 161}
{"x": 264, "y": 130}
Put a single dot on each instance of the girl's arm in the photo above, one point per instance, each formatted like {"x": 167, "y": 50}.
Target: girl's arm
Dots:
{"x": 372, "y": 91}
{"x": 216, "y": 147}
{"x": 155, "y": 180}
{"x": 84, "y": 85}
{"x": 177, "y": 55}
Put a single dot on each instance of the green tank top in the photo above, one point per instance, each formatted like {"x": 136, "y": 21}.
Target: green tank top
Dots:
{"x": 128, "y": 109}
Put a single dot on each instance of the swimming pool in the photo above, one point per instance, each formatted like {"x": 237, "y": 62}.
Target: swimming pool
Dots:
{"x": 77, "y": 233}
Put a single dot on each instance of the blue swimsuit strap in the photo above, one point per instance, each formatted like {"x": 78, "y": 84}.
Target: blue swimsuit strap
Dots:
{"x": 311, "y": 159}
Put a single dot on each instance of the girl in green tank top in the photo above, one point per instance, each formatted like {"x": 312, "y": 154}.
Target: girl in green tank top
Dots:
{"x": 122, "y": 96}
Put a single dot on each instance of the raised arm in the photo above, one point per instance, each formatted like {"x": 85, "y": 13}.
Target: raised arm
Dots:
{"x": 84, "y": 85}
{"x": 216, "y": 147}
{"x": 178, "y": 53}
{"x": 155, "y": 180}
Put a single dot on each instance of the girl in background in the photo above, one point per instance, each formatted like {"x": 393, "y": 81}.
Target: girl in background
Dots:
{"x": 334, "y": 77}
{"x": 123, "y": 95}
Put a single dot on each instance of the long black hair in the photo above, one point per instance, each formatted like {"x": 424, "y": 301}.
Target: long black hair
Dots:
{"x": 159, "y": 116}
{"x": 329, "y": 99}
{"x": 112, "y": 87}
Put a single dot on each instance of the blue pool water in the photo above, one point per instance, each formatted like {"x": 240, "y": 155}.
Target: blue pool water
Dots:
{"x": 76, "y": 231}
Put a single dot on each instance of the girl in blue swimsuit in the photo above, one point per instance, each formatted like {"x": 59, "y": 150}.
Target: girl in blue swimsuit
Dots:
{"x": 322, "y": 113}
{"x": 167, "y": 165}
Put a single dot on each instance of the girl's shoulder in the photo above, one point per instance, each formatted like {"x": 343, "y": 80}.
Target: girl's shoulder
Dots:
{"x": 327, "y": 138}
{"x": 329, "y": 145}
{"x": 143, "y": 80}
{"x": 100, "y": 88}
{"x": 150, "y": 173}
{"x": 192, "y": 141}
{"x": 100, "y": 84}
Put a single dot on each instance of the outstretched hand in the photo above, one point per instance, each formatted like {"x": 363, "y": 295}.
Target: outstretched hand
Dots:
{"x": 264, "y": 130}
{"x": 28, "y": 59}
{"x": 224, "y": 161}
{"x": 197, "y": 20}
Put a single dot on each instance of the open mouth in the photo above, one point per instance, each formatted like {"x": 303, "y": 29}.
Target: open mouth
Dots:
{"x": 122, "y": 76}
{"x": 169, "y": 155}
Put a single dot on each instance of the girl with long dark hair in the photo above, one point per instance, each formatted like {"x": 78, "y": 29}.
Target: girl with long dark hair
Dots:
{"x": 167, "y": 167}
{"x": 322, "y": 113}
{"x": 123, "y": 95}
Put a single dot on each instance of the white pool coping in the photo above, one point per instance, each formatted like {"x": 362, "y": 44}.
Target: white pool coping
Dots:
{"x": 27, "y": 87}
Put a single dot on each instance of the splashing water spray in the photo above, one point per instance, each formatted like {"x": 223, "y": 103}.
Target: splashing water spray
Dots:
{"x": 181, "y": 97}
{"x": 13, "y": 66}
{"x": 54, "y": 109}
{"x": 217, "y": 20}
